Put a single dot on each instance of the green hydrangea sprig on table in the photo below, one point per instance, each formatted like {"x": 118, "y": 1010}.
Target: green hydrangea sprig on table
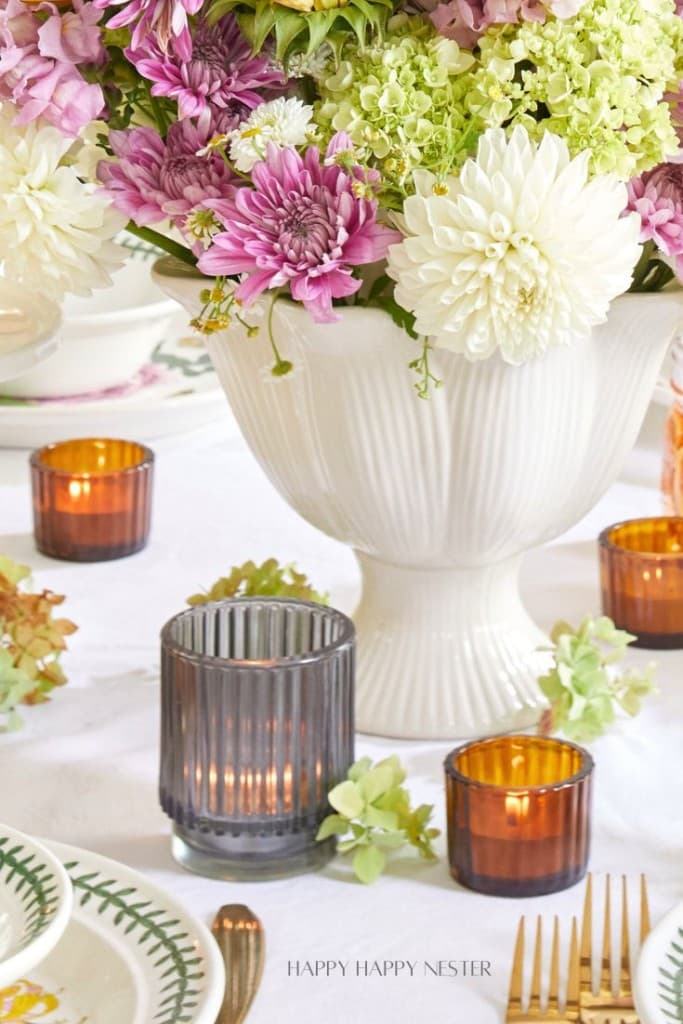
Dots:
{"x": 31, "y": 642}
{"x": 582, "y": 687}
{"x": 374, "y": 806}
{"x": 267, "y": 580}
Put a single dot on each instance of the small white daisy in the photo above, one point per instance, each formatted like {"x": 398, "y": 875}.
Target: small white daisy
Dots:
{"x": 283, "y": 121}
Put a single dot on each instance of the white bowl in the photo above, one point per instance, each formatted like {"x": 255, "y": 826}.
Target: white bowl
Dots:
{"x": 104, "y": 340}
{"x": 36, "y": 898}
{"x": 28, "y": 329}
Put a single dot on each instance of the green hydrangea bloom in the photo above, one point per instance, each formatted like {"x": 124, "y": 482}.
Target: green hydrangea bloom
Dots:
{"x": 597, "y": 79}
{"x": 402, "y": 101}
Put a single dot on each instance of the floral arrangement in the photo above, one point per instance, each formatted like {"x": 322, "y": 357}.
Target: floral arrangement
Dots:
{"x": 583, "y": 689}
{"x": 31, "y": 642}
{"x": 267, "y": 580}
{"x": 491, "y": 173}
{"x": 373, "y": 816}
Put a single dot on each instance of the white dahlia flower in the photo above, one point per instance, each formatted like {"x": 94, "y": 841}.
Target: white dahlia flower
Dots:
{"x": 55, "y": 232}
{"x": 518, "y": 253}
{"x": 282, "y": 121}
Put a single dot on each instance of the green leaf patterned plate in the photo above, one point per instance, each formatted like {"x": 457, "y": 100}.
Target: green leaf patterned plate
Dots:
{"x": 35, "y": 903}
{"x": 130, "y": 955}
{"x": 659, "y": 978}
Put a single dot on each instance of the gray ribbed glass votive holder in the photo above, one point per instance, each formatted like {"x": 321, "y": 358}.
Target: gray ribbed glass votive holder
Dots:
{"x": 256, "y": 728}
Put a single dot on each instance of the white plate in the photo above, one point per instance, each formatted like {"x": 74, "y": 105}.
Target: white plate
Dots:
{"x": 186, "y": 395}
{"x": 35, "y": 904}
{"x": 130, "y": 955}
{"x": 659, "y": 976}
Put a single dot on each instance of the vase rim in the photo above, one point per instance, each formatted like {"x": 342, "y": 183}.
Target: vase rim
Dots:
{"x": 605, "y": 540}
{"x": 586, "y": 768}
{"x": 346, "y": 637}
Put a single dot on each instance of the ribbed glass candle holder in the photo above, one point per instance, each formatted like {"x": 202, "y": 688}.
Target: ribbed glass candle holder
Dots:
{"x": 256, "y": 729}
{"x": 641, "y": 574}
{"x": 519, "y": 812}
{"x": 92, "y": 498}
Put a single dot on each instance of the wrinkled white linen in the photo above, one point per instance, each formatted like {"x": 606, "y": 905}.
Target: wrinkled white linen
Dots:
{"x": 84, "y": 768}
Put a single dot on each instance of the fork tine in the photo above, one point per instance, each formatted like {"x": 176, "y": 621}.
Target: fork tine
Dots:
{"x": 586, "y": 960}
{"x": 606, "y": 965}
{"x": 644, "y": 910}
{"x": 571, "y": 1011}
{"x": 554, "y": 984}
{"x": 535, "y": 996}
{"x": 514, "y": 1007}
{"x": 625, "y": 962}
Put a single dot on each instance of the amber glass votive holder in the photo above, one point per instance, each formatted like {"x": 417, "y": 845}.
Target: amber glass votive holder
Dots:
{"x": 641, "y": 575}
{"x": 519, "y": 813}
{"x": 92, "y": 498}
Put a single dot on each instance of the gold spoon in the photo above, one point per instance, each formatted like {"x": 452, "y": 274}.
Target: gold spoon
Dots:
{"x": 241, "y": 940}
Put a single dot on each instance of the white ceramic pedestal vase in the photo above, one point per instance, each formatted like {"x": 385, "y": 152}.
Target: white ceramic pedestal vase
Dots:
{"x": 440, "y": 498}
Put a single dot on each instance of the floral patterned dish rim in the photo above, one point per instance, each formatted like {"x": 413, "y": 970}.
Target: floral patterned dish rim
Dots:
{"x": 178, "y": 974}
{"x": 35, "y": 903}
{"x": 659, "y": 976}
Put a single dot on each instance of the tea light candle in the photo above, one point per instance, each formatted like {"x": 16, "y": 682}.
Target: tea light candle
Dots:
{"x": 518, "y": 814}
{"x": 92, "y": 498}
{"x": 256, "y": 729}
{"x": 641, "y": 573}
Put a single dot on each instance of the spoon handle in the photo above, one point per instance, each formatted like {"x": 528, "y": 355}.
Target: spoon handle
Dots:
{"x": 241, "y": 939}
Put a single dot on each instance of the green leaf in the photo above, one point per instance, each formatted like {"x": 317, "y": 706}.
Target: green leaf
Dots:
{"x": 264, "y": 21}
{"x": 359, "y": 768}
{"x": 376, "y": 782}
{"x": 375, "y": 818}
{"x": 12, "y": 571}
{"x": 347, "y": 799}
{"x": 368, "y": 864}
{"x": 319, "y": 24}
{"x": 288, "y": 27}
{"x": 333, "y": 825}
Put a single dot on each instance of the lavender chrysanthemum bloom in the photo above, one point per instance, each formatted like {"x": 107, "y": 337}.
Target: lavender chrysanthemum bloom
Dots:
{"x": 155, "y": 180}
{"x": 165, "y": 19}
{"x": 218, "y": 70}
{"x": 465, "y": 20}
{"x": 303, "y": 224}
{"x": 657, "y": 198}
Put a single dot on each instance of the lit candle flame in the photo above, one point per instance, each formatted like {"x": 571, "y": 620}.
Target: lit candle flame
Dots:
{"x": 516, "y": 808}
{"x": 78, "y": 488}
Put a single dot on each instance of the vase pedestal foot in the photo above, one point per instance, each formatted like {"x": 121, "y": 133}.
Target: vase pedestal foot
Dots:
{"x": 445, "y": 653}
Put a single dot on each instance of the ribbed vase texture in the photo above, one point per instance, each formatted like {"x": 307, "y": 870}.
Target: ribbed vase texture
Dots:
{"x": 256, "y": 719}
{"x": 440, "y": 498}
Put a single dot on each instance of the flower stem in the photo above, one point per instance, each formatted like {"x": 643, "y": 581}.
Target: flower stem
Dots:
{"x": 282, "y": 366}
{"x": 162, "y": 242}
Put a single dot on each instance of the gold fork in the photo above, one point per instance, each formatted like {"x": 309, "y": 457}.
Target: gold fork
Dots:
{"x": 612, "y": 1003}
{"x": 533, "y": 1012}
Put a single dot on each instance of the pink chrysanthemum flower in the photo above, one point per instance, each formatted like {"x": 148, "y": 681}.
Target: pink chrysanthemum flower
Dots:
{"x": 166, "y": 19}
{"x": 219, "y": 69}
{"x": 155, "y": 180}
{"x": 657, "y": 198}
{"x": 303, "y": 224}
{"x": 38, "y": 58}
{"x": 465, "y": 20}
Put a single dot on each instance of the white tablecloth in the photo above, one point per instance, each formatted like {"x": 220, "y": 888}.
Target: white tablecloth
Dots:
{"x": 84, "y": 768}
